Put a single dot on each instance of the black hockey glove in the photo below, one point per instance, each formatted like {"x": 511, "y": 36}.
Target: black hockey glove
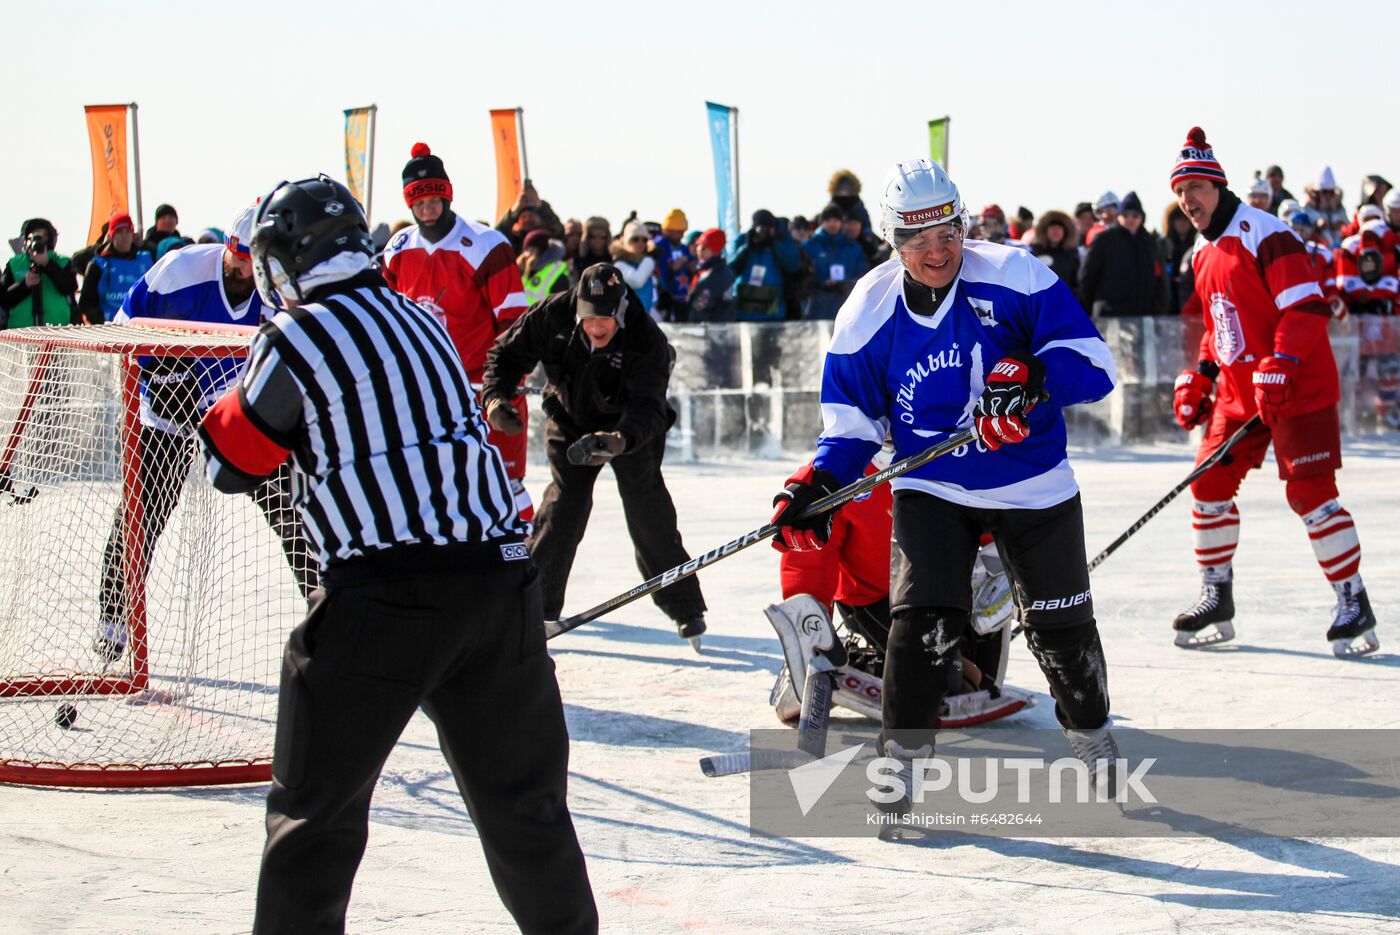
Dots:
{"x": 503, "y": 417}
{"x": 803, "y": 489}
{"x": 1013, "y": 388}
{"x": 596, "y": 449}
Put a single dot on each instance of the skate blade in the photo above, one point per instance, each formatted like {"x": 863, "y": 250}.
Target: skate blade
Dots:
{"x": 1222, "y": 632}
{"x": 694, "y": 643}
{"x": 1363, "y": 645}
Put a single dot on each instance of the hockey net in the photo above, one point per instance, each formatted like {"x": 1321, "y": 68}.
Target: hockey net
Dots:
{"x": 161, "y": 645}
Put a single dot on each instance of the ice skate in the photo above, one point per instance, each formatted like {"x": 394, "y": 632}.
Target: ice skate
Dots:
{"x": 895, "y": 815}
{"x": 804, "y": 629}
{"x": 110, "y": 643}
{"x": 691, "y": 628}
{"x": 1353, "y": 630}
{"x": 1097, "y": 750}
{"x": 1211, "y": 621}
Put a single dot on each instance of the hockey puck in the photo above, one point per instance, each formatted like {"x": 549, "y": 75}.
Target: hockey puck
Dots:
{"x": 65, "y": 716}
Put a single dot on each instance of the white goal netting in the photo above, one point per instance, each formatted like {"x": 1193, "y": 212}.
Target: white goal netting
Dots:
{"x": 142, "y": 613}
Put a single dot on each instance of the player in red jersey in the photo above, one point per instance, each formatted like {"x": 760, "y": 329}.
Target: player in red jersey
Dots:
{"x": 1265, "y": 351}
{"x": 465, "y": 274}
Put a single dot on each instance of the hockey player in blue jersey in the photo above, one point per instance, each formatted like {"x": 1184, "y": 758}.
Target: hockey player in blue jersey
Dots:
{"x": 945, "y": 336}
{"x": 209, "y": 284}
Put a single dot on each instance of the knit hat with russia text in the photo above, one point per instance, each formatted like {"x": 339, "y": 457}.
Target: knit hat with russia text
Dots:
{"x": 1197, "y": 161}
{"x": 424, "y": 176}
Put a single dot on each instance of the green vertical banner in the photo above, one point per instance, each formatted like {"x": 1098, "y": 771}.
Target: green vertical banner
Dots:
{"x": 938, "y": 140}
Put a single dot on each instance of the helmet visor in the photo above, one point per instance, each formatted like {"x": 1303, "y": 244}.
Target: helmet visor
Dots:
{"x": 917, "y": 240}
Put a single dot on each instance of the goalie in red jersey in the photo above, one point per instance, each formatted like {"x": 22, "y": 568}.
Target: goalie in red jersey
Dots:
{"x": 852, "y": 573}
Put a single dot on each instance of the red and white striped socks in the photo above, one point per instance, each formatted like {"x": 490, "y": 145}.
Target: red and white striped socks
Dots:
{"x": 1336, "y": 545}
{"x": 1215, "y": 532}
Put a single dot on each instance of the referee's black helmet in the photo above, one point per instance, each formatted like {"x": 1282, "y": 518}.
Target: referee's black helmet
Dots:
{"x": 300, "y": 225}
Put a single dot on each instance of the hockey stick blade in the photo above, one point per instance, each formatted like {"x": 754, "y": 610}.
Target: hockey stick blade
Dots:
{"x": 1210, "y": 461}
{"x": 830, "y": 502}
{"x": 731, "y": 764}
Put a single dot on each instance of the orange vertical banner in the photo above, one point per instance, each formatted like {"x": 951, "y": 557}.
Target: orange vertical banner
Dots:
{"x": 508, "y": 179}
{"x": 107, "y": 137}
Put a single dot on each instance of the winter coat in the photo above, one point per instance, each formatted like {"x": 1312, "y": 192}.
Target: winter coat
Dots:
{"x": 759, "y": 272}
{"x": 1064, "y": 259}
{"x": 1120, "y": 275}
{"x": 711, "y": 296}
{"x": 638, "y": 271}
{"x": 836, "y": 258}
{"x": 621, "y": 387}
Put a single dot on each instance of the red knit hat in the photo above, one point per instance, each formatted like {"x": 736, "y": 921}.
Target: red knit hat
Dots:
{"x": 1197, "y": 161}
{"x": 713, "y": 240}
{"x": 424, "y": 176}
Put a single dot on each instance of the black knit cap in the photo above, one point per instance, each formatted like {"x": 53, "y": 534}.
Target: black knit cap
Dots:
{"x": 424, "y": 176}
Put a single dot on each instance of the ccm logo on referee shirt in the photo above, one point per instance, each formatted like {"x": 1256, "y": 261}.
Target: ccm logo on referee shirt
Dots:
{"x": 514, "y": 552}
{"x": 1059, "y": 603}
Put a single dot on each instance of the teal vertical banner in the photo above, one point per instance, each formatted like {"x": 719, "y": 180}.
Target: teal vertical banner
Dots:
{"x": 720, "y": 118}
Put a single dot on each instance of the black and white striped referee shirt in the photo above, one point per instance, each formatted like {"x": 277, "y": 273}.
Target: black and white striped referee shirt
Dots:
{"x": 366, "y": 392}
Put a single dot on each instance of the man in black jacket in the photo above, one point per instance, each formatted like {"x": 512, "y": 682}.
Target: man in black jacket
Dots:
{"x": 1120, "y": 275}
{"x": 608, "y": 365}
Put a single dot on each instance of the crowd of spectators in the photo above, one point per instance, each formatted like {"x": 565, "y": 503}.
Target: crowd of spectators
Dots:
{"x": 786, "y": 269}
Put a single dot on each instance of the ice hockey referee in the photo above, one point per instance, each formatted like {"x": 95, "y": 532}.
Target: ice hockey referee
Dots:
{"x": 429, "y": 596}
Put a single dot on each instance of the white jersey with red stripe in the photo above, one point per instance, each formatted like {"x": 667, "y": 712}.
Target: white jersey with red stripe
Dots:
{"x": 468, "y": 280}
{"x": 1262, "y": 297}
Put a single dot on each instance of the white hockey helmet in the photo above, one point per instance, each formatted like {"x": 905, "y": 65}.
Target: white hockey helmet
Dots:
{"x": 918, "y": 194}
{"x": 1391, "y": 201}
{"x": 1369, "y": 213}
{"x": 1287, "y": 208}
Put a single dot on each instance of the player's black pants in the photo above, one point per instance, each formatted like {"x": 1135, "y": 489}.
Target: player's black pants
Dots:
{"x": 562, "y": 519}
{"x": 935, "y": 543}
{"x": 457, "y": 631}
{"x": 163, "y": 466}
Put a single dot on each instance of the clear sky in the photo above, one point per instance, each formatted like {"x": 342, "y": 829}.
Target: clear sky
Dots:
{"x": 1052, "y": 102}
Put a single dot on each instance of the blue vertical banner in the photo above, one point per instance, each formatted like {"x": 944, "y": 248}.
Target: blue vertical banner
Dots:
{"x": 721, "y": 121}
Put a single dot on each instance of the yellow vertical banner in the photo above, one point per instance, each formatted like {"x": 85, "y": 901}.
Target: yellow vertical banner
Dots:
{"x": 508, "y": 178}
{"x": 106, "y": 125}
{"x": 357, "y": 151}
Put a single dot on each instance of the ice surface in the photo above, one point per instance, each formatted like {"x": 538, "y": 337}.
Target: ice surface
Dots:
{"x": 669, "y": 851}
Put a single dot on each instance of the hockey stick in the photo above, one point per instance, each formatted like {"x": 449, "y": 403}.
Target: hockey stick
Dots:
{"x": 22, "y": 417}
{"x": 811, "y": 734}
{"x": 1210, "y": 461}
{"x": 830, "y": 502}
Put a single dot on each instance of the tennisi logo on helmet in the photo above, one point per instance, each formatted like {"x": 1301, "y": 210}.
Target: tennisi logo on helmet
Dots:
{"x": 925, "y": 215}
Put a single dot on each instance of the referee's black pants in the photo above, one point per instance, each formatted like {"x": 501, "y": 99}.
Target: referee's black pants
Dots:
{"x": 458, "y": 632}
{"x": 562, "y": 519}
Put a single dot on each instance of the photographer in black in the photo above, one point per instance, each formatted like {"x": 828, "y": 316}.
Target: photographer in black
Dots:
{"x": 37, "y": 285}
{"x": 608, "y": 365}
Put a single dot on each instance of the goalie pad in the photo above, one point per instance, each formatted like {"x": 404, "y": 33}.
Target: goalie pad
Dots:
{"x": 863, "y": 692}
{"x": 804, "y": 629}
{"x": 992, "y": 606}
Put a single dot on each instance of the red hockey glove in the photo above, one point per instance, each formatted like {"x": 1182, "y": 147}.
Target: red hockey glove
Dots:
{"x": 1273, "y": 387}
{"x": 1191, "y": 402}
{"x": 803, "y": 489}
{"x": 1013, "y": 388}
